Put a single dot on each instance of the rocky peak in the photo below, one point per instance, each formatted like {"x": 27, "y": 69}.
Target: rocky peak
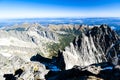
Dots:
{"x": 103, "y": 36}
{"x": 91, "y": 46}
{"x": 30, "y": 38}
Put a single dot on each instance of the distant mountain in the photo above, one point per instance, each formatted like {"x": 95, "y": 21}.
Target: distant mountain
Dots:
{"x": 111, "y": 21}
{"x": 25, "y": 39}
{"x": 91, "y": 46}
{"x": 31, "y": 50}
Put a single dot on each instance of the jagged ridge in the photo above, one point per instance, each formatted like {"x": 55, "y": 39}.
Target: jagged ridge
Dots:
{"x": 90, "y": 47}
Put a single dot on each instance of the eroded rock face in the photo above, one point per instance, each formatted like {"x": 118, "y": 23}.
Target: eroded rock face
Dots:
{"x": 26, "y": 40}
{"x": 91, "y": 46}
{"x": 15, "y": 68}
{"x": 104, "y": 36}
{"x": 113, "y": 54}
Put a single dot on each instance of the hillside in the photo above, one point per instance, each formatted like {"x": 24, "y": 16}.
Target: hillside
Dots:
{"x": 32, "y": 51}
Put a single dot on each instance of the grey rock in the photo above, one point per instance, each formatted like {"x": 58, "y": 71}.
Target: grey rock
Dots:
{"x": 14, "y": 66}
{"x": 90, "y": 47}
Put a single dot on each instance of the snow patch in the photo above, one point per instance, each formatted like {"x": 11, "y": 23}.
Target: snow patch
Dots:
{"x": 6, "y": 54}
{"x": 12, "y": 41}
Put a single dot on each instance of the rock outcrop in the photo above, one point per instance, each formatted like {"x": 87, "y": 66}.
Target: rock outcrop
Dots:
{"x": 90, "y": 47}
{"x": 101, "y": 71}
{"x": 15, "y": 68}
{"x": 94, "y": 54}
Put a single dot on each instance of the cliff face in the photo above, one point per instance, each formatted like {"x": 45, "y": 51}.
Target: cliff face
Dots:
{"x": 25, "y": 40}
{"x": 90, "y": 47}
{"x": 95, "y": 52}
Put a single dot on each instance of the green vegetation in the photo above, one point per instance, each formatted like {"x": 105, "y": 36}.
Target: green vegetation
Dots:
{"x": 64, "y": 40}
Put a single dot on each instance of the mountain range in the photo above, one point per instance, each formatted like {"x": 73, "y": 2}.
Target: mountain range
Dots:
{"x": 60, "y": 51}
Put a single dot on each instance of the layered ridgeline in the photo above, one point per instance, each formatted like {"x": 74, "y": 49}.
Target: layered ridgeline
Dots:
{"x": 93, "y": 45}
{"x": 28, "y": 39}
{"x": 80, "y": 49}
{"x": 18, "y": 43}
{"x": 93, "y": 55}
{"x": 25, "y": 40}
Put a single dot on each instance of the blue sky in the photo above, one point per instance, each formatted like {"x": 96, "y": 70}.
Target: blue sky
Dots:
{"x": 59, "y": 8}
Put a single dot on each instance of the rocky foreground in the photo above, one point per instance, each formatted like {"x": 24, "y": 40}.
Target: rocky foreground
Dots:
{"x": 93, "y": 55}
{"x": 101, "y": 71}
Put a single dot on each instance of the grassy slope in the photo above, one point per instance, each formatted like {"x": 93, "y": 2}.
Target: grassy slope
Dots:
{"x": 64, "y": 40}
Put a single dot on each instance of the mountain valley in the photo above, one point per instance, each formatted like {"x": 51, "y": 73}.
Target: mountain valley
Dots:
{"x": 31, "y": 51}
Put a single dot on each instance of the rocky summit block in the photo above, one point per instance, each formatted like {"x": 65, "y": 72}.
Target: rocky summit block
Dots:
{"x": 91, "y": 46}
